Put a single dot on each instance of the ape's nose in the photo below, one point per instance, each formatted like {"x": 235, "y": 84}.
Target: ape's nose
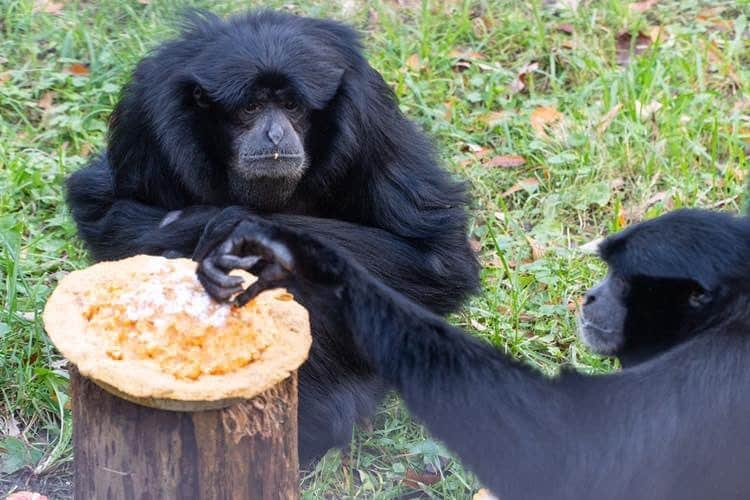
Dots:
{"x": 275, "y": 133}
{"x": 589, "y": 298}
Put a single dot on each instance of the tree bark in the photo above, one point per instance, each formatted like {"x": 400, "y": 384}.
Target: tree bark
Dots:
{"x": 127, "y": 451}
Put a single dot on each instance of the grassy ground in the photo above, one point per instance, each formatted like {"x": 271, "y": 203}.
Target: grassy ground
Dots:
{"x": 569, "y": 120}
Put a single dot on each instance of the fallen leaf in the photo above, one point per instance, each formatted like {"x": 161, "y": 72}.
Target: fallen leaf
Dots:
{"x": 480, "y": 27}
{"x": 716, "y": 58}
{"x": 85, "y": 150}
{"x": 78, "y": 69}
{"x": 519, "y": 82}
{"x": 569, "y": 44}
{"x": 642, "y": 7}
{"x": 506, "y": 161}
{"x": 606, "y": 120}
{"x": 484, "y": 494}
{"x": 415, "y": 479}
{"x": 413, "y": 62}
{"x": 464, "y": 58}
{"x": 622, "y": 219}
{"x": 524, "y": 316}
{"x": 658, "y": 34}
{"x": 617, "y": 183}
{"x": 712, "y": 17}
{"x": 9, "y": 426}
{"x": 646, "y": 111}
{"x": 656, "y": 198}
{"x": 26, "y": 495}
{"x": 542, "y": 117}
{"x": 493, "y": 118}
{"x": 565, "y": 28}
{"x": 48, "y": 7}
{"x": 640, "y": 42}
{"x": 144, "y": 2}
{"x": 477, "y": 325}
{"x": 537, "y": 250}
{"x": 4, "y": 77}
{"x": 45, "y": 102}
{"x": 465, "y": 54}
{"x": 529, "y": 183}
{"x": 562, "y": 4}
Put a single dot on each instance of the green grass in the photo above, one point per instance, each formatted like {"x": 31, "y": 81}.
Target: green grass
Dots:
{"x": 582, "y": 179}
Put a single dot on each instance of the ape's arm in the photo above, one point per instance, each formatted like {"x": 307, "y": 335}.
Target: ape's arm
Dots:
{"x": 668, "y": 429}
{"x": 439, "y": 271}
{"x": 116, "y": 228}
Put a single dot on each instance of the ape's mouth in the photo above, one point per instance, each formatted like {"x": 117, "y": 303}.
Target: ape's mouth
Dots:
{"x": 272, "y": 156}
{"x": 275, "y": 165}
{"x": 600, "y": 339}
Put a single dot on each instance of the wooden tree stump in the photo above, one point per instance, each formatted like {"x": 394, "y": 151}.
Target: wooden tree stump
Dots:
{"x": 128, "y": 451}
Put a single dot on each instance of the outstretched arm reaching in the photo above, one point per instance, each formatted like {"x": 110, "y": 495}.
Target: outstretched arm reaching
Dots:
{"x": 657, "y": 431}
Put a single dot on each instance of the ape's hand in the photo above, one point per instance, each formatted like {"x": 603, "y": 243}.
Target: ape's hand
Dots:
{"x": 278, "y": 257}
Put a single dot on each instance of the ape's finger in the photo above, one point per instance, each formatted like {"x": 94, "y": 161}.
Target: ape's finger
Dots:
{"x": 229, "y": 262}
{"x": 254, "y": 290}
{"x": 216, "y": 291}
{"x": 217, "y": 275}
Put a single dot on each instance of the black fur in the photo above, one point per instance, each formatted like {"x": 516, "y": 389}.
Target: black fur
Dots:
{"x": 372, "y": 187}
{"x": 672, "y": 427}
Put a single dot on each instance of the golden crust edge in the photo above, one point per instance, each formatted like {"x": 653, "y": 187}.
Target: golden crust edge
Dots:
{"x": 136, "y": 381}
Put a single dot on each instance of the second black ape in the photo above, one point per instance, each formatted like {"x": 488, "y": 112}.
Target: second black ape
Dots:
{"x": 672, "y": 426}
{"x": 281, "y": 115}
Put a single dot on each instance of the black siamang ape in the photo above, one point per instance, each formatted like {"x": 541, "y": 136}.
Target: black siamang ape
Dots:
{"x": 672, "y": 426}
{"x": 282, "y": 116}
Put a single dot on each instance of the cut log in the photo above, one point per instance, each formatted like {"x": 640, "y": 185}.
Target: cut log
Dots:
{"x": 176, "y": 396}
{"x": 124, "y": 450}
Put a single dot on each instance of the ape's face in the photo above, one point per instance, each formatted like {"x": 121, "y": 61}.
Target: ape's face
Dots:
{"x": 635, "y": 318}
{"x": 664, "y": 283}
{"x": 264, "y": 138}
{"x": 236, "y": 112}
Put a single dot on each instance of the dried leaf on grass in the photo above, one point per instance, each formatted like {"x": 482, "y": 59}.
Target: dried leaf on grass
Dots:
{"x": 625, "y": 40}
{"x": 642, "y": 7}
{"x": 464, "y": 58}
{"x": 537, "y": 249}
{"x": 543, "y": 117}
{"x": 506, "y": 161}
{"x": 530, "y": 183}
{"x": 646, "y": 111}
{"x": 606, "y": 120}
{"x": 493, "y": 118}
{"x": 414, "y": 63}
{"x": 519, "y": 82}
{"x": 78, "y": 69}
{"x": 45, "y": 102}
{"x": 414, "y": 479}
{"x": 48, "y": 7}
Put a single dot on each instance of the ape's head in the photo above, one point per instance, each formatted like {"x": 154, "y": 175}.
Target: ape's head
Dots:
{"x": 668, "y": 279}
{"x": 239, "y": 111}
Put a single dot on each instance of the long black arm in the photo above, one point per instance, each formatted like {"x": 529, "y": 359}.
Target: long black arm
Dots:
{"x": 114, "y": 228}
{"x": 675, "y": 427}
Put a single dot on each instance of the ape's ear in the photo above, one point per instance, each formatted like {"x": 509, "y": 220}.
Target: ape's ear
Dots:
{"x": 321, "y": 85}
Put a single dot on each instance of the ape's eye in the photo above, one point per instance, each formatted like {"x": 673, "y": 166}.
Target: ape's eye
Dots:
{"x": 697, "y": 299}
{"x": 254, "y": 107}
{"x": 290, "y": 105}
{"x": 199, "y": 96}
